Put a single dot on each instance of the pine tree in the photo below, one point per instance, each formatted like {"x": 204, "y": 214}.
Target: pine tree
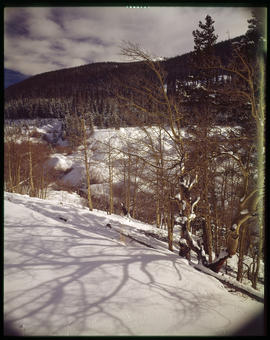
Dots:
{"x": 202, "y": 105}
{"x": 256, "y": 29}
{"x": 205, "y": 38}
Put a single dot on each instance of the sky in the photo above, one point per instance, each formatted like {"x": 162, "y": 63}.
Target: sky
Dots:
{"x": 42, "y": 39}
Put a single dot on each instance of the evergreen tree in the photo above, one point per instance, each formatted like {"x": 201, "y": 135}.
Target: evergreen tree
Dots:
{"x": 205, "y": 38}
{"x": 255, "y": 34}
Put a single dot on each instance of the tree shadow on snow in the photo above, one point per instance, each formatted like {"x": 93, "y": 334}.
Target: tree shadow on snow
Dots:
{"x": 70, "y": 279}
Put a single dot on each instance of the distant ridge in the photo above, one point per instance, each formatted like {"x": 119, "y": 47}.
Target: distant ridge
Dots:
{"x": 13, "y": 77}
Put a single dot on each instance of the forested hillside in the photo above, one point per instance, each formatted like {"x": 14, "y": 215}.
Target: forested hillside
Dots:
{"x": 96, "y": 88}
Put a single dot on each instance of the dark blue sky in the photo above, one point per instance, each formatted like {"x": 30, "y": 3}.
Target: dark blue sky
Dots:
{"x": 38, "y": 40}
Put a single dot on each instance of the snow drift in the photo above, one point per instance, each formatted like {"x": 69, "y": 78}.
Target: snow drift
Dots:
{"x": 68, "y": 271}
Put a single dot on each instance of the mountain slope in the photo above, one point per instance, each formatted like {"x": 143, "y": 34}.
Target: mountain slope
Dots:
{"x": 92, "y": 88}
{"x": 68, "y": 272}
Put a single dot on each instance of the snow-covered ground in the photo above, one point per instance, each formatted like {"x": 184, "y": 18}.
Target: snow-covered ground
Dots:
{"x": 69, "y": 271}
{"x": 120, "y": 140}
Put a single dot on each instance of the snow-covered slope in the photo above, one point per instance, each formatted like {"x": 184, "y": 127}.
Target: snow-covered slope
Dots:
{"x": 68, "y": 271}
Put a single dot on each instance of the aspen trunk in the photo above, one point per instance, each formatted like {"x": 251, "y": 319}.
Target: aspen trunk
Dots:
{"x": 261, "y": 167}
{"x": 157, "y": 202}
{"x": 110, "y": 180}
{"x": 170, "y": 236}
{"x": 241, "y": 255}
{"x": 207, "y": 206}
{"x": 209, "y": 237}
{"x": 18, "y": 176}
{"x": 9, "y": 170}
{"x": 89, "y": 198}
{"x": 31, "y": 193}
{"x": 43, "y": 189}
{"x": 170, "y": 229}
{"x": 135, "y": 201}
{"x": 128, "y": 184}
{"x": 135, "y": 191}
{"x": 157, "y": 212}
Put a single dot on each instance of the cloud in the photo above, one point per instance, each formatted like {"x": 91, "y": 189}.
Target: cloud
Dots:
{"x": 44, "y": 39}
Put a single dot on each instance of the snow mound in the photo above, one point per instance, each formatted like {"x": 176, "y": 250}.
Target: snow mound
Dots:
{"x": 69, "y": 271}
{"x": 59, "y": 162}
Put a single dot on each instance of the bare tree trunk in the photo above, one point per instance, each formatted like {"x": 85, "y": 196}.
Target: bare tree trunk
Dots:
{"x": 241, "y": 254}
{"x": 172, "y": 219}
{"x": 206, "y": 192}
{"x": 135, "y": 191}
{"x": 157, "y": 212}
{"x": 18, "y": 176}
{"x": 170, "y": 227}
{"x": 32, "y": 189}
{"x": 157, "y": 200}
{"x": 128, "y": 189}
{"x": 10, "y": 186}
{"x": 170, "y": 234}
{"x": 218, "y": 264}
{"x": 209, "y": 236}
{"x": 43, "y": 188}
{"x": 110, "y": 179}
{"x": 89, "y": 198}
{"x": 261, "y": 171}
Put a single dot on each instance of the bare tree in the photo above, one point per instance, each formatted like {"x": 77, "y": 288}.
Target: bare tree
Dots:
{"x": 151, "y": 98}
{"x": 168, "y": 113}
{"x": 245, "y": 87}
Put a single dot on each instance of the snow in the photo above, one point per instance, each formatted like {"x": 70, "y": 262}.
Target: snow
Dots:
{"x": 178, "y": 196}
{"x": 183, "y": 241}
{"x": 193, "y": 182}
{"x": 181, "y": 219}
{"x": 194, "y": 203}
{"x": 234, "y": 227}
{"x": 100, "y": 189}
{"x": 120, "y": 140}
{"x": 59, "y": 162}
{"x": 232, "y": 264}
{"x": 184, "y": 204}
{"x": 192, "y": 216}
{"x": 232, "y": 281}
{"x": 64, "y": 197}
{"x": 222, "y": 254}
{"x": 69, "y": 271}
{"x": 75, "y": 177}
